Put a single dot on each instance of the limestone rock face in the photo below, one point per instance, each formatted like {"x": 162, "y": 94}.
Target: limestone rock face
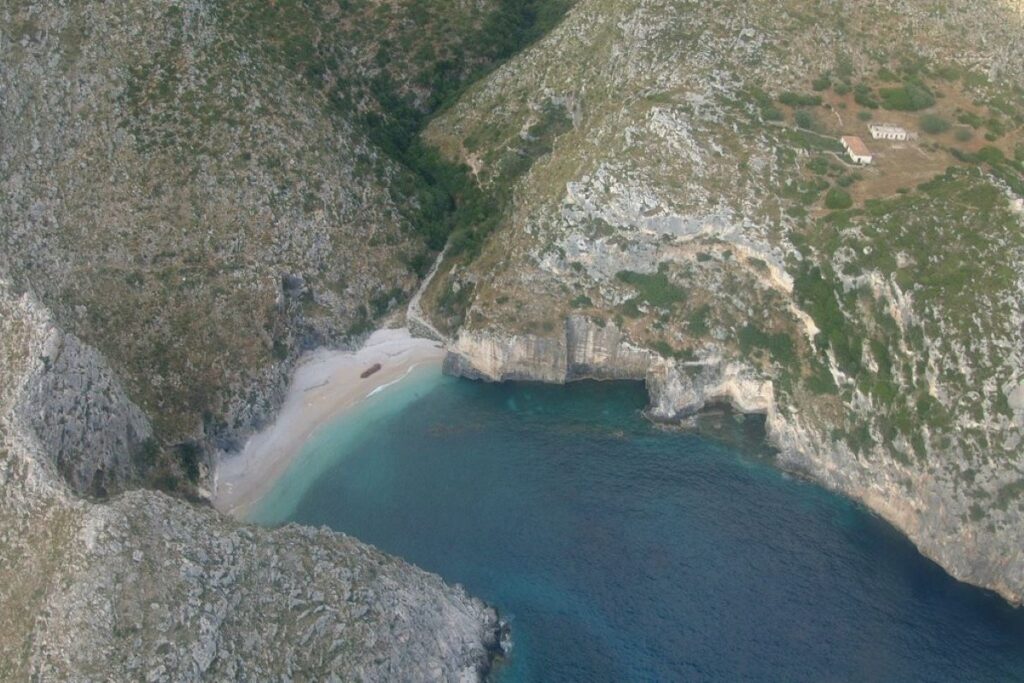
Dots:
{"x": 671, "y": 176}
{"x": 677, "y": 390}
{"x": 521, "y": 357}
{"x": 82, "y": 417}
{"x": 148, "y": 587}
{"x": 583, "y": 351}
{"x": 597, "y": 352}
{"x": 922, "y": 507}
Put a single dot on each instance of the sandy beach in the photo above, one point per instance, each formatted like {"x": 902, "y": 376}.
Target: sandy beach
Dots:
{"x": 325, "y": 384}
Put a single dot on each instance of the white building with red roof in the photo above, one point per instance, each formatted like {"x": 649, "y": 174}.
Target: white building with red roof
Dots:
{"x": 858, "y": 151}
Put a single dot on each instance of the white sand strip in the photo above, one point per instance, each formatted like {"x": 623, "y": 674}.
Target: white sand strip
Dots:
{"x": 325, "y": 384}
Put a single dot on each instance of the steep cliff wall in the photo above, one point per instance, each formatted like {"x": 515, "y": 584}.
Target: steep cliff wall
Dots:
{"x": 149, "y": 587}
{"x": 584, "y": 350}
{"x": 923, "y": 507}
{"x": 82, "y": 417}
{"x": 673, "y": 170}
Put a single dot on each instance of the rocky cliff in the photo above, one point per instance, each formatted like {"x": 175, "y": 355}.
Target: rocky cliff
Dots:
{"x": 193, "y": 194}
{"x": 200, "y": 192}
{"x": 150, "y": 587}
{"x": 80, "y": 414}
{"x": 669, "y": 181}
{"x": 925, "y": 509}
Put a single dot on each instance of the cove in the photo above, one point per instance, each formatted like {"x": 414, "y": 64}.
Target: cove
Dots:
{"x": 618, "y": 550}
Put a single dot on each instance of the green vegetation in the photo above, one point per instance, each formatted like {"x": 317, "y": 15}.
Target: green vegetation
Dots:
{"x": 818, "y": 165}
{"x": 793, "y": 99}
{"x": 475, "y": 213}
{"x": 439, "y": 199}
{"x": 844, "y": 66}
{"x": 886, "y": 74}
{"x": 810, "y": 140}
{"x": 817, "y": 296}
{"x": 838, "y": 199}
{"x": 655, "y": 289}
{"x": 766, "y": 106}
{"x": 910, "y": 97}
{"x": 455, "y": 302}
{"x": 941, "y": 265}
{"x": 933, "y": 124}
{"x": 666, "y": 350}
{"x": 804, "y": 119}
{"x": 1008, "y": 170}
{"x": 630, "y": 309}
{"x": 863, "y": 95}
{"x": 805, "y": 192}
{"x": 582, "y": 301}
{"x": 697, "y": 321}
{"x": 1010, "y": 492}
{"x": 991, "y": 155}
{"x": 778, "y": 344}
{"x": 174, "y": 470}
{"x": 553, "y": 121}
{"x": 820, "y": 381}
{"x": 970, "y": 119}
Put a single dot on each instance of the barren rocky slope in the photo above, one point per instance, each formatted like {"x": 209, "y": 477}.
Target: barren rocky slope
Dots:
{"x": 194, "y": 193}
{"x": 203, "y": 190}
{"x": 149, "y": 587}
{"x": 681, "y": 212}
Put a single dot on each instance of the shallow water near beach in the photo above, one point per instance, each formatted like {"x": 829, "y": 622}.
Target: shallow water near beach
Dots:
{"x": 621, "y": 551}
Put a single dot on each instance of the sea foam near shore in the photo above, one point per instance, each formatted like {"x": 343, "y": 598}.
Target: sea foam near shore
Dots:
{"x": 326, "y": 384}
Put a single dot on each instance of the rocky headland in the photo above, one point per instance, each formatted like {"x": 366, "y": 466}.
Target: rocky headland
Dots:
{"x": 676, "y": 208}
{"x": 150, "y": 587}
{"x": 678, "y": 390}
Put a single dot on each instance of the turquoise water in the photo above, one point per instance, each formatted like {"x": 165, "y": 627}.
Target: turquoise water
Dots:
{"x": 621, "y": 551}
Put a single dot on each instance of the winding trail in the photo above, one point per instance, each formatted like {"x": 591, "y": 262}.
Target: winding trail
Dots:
{"x": 415, "y": 319}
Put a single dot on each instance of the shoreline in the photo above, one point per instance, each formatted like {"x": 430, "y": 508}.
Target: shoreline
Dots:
{"x": 324, "y": 385}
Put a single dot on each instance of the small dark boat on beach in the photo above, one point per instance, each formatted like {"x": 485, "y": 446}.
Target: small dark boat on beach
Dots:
{"x": 371, "y": 370}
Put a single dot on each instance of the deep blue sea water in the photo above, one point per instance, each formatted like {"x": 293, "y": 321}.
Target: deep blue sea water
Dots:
{"x": 619, "y": 551}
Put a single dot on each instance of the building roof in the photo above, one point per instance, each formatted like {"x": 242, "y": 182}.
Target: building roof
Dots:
{"x": 887, "y": 127}
{"x": 856, "y": 146}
